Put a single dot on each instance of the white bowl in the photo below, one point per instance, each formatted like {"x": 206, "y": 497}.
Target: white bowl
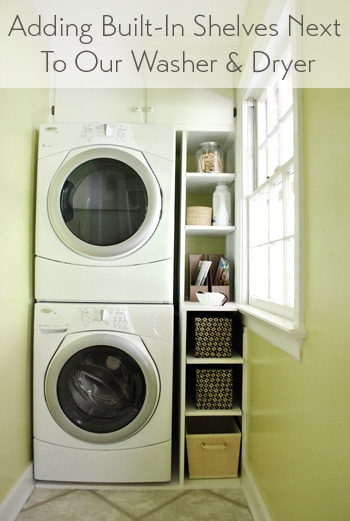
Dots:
{"x": 212, "y": 299}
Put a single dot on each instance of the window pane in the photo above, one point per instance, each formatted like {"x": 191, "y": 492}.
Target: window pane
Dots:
{"x": 276, "y": 210}
{"x": 264, "y": 216}
{"x": 262, "y": 166}
{"x": 290, "y": 267}
{"x": 253, "y": 222}
{"x": 262, "y": 122}
{"x": 277, "y": 272}
{"x": 287, "y": 139}
{"x": 258, "y": 272}
{"x": 272, "y": 109}
{"x": 259, "y": 219}
{"x": 286, "y": 94}
{"x": 290, "y": 212}
{"x": 273, "y": 153}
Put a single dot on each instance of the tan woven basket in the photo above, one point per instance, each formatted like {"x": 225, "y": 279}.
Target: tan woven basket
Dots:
{"x": 198, "y": 215}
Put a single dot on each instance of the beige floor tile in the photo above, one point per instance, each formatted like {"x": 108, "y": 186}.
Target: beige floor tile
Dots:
{"x": 42, "y": 495}
{"x": 235, "y": 495}
{"x": 78, "y": 505}
{"x": 138, "y": 503}
{"x": 200, "y": 504}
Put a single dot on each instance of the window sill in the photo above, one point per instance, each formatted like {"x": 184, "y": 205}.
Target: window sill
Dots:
{"x": 279, "y": 331}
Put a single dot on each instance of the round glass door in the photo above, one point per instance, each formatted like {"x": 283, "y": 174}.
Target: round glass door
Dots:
{"x": 105, "y": 202}
{"x": 102, "y": 392}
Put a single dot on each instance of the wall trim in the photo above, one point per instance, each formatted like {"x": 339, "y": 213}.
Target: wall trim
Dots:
{"x": 278, "y": 331}
{"x": 18, "y": 495}
{"x": 253, "y": 496}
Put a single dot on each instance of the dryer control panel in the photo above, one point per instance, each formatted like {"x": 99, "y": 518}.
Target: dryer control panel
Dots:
{"x": 115, "y": 132}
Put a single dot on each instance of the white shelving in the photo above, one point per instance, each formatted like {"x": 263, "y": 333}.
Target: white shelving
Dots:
{"x": 197, "y": 187}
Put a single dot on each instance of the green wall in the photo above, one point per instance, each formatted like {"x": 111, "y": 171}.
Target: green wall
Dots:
{"x": 21, "y": 112}
{"x": 298, "y": 414}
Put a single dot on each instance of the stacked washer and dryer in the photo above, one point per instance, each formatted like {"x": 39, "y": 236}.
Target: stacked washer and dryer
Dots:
{"x": 103, "y": 318}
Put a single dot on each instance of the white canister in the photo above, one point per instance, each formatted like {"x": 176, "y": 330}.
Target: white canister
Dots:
{"x": 221, "y": 206}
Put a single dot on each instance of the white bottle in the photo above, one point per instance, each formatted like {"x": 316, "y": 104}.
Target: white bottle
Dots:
{"x": 221, "y": 206}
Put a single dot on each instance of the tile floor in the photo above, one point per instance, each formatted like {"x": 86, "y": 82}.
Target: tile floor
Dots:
{"x": 131, "y": 505}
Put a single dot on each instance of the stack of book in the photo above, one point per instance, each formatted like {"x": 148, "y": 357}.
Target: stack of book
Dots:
{"x": 221, "y": 277}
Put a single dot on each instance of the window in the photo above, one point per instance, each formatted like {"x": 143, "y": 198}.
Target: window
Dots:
{"x": 269, "y": 279}
{"x": 271, "y": 203}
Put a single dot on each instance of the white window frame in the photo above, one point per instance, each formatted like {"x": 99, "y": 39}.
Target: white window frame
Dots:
{"x": 264, "y": 235}
{"x": 285, "y": 332}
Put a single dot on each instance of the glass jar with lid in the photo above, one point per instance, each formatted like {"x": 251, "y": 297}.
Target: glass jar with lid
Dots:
{"x": 209, "y": 158}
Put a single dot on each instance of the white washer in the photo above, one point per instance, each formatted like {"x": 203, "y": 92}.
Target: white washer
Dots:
{"x": 102, "y": 392}
{"x": 105, "y": 213}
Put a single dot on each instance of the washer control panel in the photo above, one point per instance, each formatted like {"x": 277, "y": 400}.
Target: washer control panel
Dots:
{"x": 116, "y": 318}
{"x": 62, "y": 318}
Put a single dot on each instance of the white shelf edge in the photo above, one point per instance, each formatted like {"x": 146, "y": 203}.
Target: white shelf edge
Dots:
{"x": 197, "y": 306}
{"x": 211, "y": 176}
{"x": 233, "y": 360}
{"x": 192, "y": 411}
{"x": 197, "y": 182}
{"x": 213, "y": 231}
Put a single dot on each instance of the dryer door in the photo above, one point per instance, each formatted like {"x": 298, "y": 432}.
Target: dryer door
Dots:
{"x": 102, "y": 387}
{"x": 104, "y": 202}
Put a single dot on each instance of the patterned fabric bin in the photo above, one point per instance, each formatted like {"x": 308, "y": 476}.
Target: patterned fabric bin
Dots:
{"x": 214, "y": 389}
{"x": 213, "y": 337}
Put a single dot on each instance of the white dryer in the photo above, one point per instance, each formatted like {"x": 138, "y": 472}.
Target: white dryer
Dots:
{"x": 105, "y": 213}
{"x": 102, "y": 392}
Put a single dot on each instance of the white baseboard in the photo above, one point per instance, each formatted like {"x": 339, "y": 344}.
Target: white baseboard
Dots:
{"x": 253, "y": 496}
{"x": 17, "y": 497}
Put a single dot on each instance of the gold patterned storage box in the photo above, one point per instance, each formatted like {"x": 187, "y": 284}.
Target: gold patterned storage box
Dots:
{"x": 214, "y": 389}
{"x": 213, "y": 337}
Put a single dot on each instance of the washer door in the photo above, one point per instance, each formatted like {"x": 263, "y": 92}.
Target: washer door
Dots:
{"x": 102, "y": 387}
{"x": 104, "y": 202}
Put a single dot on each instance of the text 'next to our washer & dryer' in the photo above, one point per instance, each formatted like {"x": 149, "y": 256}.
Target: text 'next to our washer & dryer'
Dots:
{"x": 89, "y": 55}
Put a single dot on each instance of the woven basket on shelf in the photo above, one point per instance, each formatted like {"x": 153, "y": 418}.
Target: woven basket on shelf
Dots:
{"x": 213, "y": 337}
{"x": 198, "y": 215}
{"x": 214, "y": 388}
